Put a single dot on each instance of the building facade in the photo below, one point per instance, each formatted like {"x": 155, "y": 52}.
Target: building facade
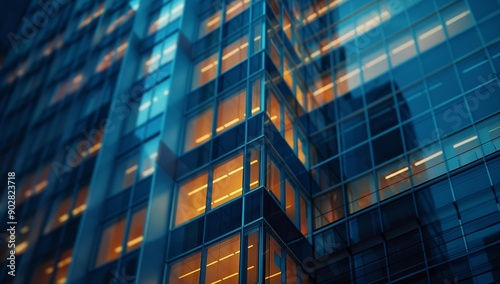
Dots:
{"x": 254, "y": 141}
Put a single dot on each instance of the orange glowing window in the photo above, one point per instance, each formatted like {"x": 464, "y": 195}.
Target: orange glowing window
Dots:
{"x": 227, "y": 181}
{"x": 223, "y": 261}
{"x": 199, "y": 129}
{"x": 186, "y": 271}
{"x": 191, "y": 199}
{"x": 231, "y": 111}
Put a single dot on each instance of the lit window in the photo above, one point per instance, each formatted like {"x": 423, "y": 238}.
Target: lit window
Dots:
{"x": 273, "y": 178}
{"x": 231, "y": 111}
{"x": 361, "y": 193}
{"x": 275, "y": 55}
{"x": 111, "y": 242}
{"x": 253, "y": 258}
{"x": 289, "y": 136}
{"x": 402, "y": 49}
{"x": 205, "y": 71}
{"x": 59, "y": 215}
{"x": 287, "y": 26}
{"x": 254, "y": 168}
{"x": 198, "y": 130}
{"x": 457, "y": 19}
{"x": 223, "y": 261}
{"x": 148, "y": 158}
{"x": 186, "y": 271}
{"x": 63, "y": 266}
{"x": 80, "y": 202}
{"x": 107, "y": 59}
{"x": 348, "y": 79}
{"x": 120, "y": 21}
{"x": 44, "y": 272}
{"x": 274, "y": 110}
{"x": 291, "y": 271}
{"x": 234, "y": 53}
{"x": 429, "y": 34}
{"x": 374, "y": 64}
{"x": 273, "y": 261}
{"x": 257, "y": 37}
{"x": 236, "y": 7}
{"x": 329, "y": 208}
{"x": 191, "y": 199}
{"x": 287, "y": 73}
{"x": 126, "y": 172}
{"x": 393, "y": 180}
{"x": 110, "y": 247}
{"x": 427, "y": 164}
{"x": 301, "y": 150}
{"x": 256, "y": 89}
{"x": 304, "y": 228}
{"x": 209, "y": 24}
{"x": 322, "y": 91}
{"x": 227, "y": 181}
{"x": 136, "y": 229}
{"x": 290, "y": 201}
{"x": 160, "y": 22}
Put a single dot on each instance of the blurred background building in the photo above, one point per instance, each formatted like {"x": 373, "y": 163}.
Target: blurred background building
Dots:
{"x": 247, "y": 141}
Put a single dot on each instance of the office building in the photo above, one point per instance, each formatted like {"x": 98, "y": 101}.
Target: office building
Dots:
{"x": 245, "y": 141}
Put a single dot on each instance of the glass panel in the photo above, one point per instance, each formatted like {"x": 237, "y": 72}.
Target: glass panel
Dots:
{"x": 60, "y": 214}
{"x": 256, "y": 96}
{"x": 209, "y": 24}
{"x": 192, "y": 199}
{"x": 231, "y": 111}
{"x": 329, "y": 208}
{"x": 374, "y": 64}
{"x": 148, "y": 157}
{"x": 111, "y": 242}
{"x": 289, "y": 137}
{"x": 287, "y": 26}
{"x": 323, "y": 91}
{"x": 402, "y": 49}
{"x": 81, "y": 201}
{"x": 290, "y": 201}
{"x": 234, "y": 53}
{"x": 198, "y": 130}
{"x": 44, "y": 272}
{"x": 429, "y": 34}
{"x": 227, "y": 181}
{"x": 255, "y": 168}
{"x": 205, "y": 71}
{"x": 257, "y": 37}
{"x": 186, "y": 271}
{"x": 126, "y": 173}
{"x": 273, "y": 178}
{"x": 236, "y": 7}
{"x": 273, "y": 110}
{"x": 361, "y": 193}
{"x": 253, "y": 258}
{"x": 393, "y": 179}
{"x": 457, "y": 19}
{"x": 273, "y": 262}
{"x": 304, "y": 228}
{"x": 63, "y": 266}
{"x": 223, "y": 261}
{"x": 291, "y": 271}
{"x": 427, "y": 164}
{"x": 136, "y": 228}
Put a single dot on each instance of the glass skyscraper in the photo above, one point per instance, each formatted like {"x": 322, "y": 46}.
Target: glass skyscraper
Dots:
{"x": 253, "y": 141}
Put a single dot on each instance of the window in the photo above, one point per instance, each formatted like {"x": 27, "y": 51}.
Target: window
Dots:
{"x": 393, "y": 180}
{"x": 234, "y": 53}
{"x": 80, "y": 202}
{"x": 117, "y": 22}
{"x": 274, "y": 110}
{"x": 231, "y": 111}
{"x": 361, "y": 193}
{"x": 227, "y": 181}
{"x": 291, "y": 271}
{"x": 111, "y": 242}
{"x": 126, "y": 170}
{"x": 253, "y": 258}
{"x": 304, "y": 228}
{"x": 160, "y": 55}
{"x": 374, "y": 64}
{"x": 457, "y": 19}
{"x": 223, "y": 261}
{"x": 44, "y": 272}
{"x": 273, "y": 178}
{"x": 257, "y": 37}
{"x": 198, "y": 130}
{"x": 429, "y": 34}
{"x": 186, "y": 271}
{"x": 273, "y": 261}
{"x": 62, "y": 267}
{"x": 205, "y": 71}
{"x": 113, "y": 235}
{"x": 329, "y": 208}
{"x": 59, "y": 215}
{"x": 290, "y": 202}
{"x": 289, "y": 136}
{"x": 402, "y": 49}
{"x": 254, "y": 168}
{"x": 148, "y": 158}
{"x": 192, "y": 198}
{"x": 236, "y": 7}
{"x": 287, "y": 26}
{"x": 427, "y": 164}
{"x": 256, "y": 91}
{"x": 209, "y": 24}
{"x": 111, "y": 56}
{"x": 66, "y": 88}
